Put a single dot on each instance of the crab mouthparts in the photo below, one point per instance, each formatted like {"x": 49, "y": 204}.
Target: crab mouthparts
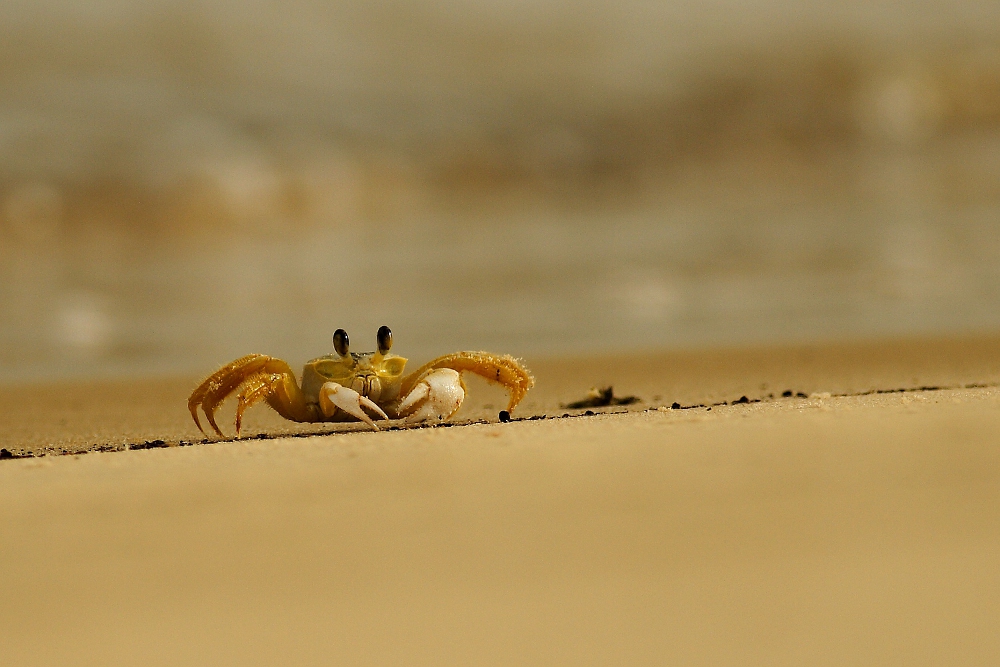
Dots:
{"x": 367, "y": 385}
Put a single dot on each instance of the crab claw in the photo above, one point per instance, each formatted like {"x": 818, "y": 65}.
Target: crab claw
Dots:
{"x": 438, "y": 395}
{"x": 333, "y": 396}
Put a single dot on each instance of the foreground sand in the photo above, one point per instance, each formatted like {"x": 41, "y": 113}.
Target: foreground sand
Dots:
{"x": 820, "y": 531}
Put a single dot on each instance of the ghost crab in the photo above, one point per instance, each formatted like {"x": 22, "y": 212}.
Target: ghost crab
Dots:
{"x": 341, "y": 387}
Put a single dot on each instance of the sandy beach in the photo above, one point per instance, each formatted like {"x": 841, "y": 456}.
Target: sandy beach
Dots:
{"x": 825, "y": 530}
{"x": 771, "y": 226}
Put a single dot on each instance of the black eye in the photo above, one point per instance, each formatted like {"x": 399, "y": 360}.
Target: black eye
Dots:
{"x": 384, "y": 337}
{"x": 341, "y": 342}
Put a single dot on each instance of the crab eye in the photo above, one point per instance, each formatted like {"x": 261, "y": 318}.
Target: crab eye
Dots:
{"x": 341, "y": 342}
{"x": 384, "y": 337}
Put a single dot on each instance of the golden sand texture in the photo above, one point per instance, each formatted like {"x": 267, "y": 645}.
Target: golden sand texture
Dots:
{"x": 819, "y": 531}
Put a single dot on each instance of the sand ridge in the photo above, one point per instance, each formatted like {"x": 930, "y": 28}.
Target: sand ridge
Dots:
{"x": 143, "y": 413}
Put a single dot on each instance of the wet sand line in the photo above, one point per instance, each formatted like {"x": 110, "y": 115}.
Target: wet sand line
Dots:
{"x": 146, "y": 412}
{"x": 503, "y": 417}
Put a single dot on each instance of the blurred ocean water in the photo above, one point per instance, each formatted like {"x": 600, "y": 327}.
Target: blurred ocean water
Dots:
{"x": 183, "y": 183}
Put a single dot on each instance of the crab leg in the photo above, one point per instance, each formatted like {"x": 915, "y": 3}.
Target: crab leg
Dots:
{"x": 262, "y": 377}
{"x": 219, "y": 385}
{"x": 255, "y": 390}
{"x": 504, "y": 370}
{"x": 333, "y": 396}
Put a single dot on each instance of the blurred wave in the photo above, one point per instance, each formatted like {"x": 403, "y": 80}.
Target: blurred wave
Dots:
{"x": 183, "y": 182}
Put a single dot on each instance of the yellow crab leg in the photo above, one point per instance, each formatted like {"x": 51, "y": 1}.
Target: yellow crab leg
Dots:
{"x": 283, "y": 392}
{"x": 274, "y": 388}
{"x": 255, "y": 390}
{"x": 220, "y": 384}
{"x": 498, "y": 369}
{"x": 287, "y": 399}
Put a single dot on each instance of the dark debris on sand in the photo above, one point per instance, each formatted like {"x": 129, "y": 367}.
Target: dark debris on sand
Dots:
{"x": 601, "y": 398}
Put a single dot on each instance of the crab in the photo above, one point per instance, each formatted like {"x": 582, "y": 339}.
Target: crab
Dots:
{"x": 342, "y": 386}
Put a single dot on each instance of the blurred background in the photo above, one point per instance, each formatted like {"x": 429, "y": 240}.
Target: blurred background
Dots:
{"x": 185, "y": 182}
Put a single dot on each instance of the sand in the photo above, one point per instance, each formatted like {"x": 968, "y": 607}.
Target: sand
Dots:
{"x": 819, "y": 530}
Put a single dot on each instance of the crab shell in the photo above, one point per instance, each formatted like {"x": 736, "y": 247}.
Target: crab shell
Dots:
{"x": 372, "y": 374}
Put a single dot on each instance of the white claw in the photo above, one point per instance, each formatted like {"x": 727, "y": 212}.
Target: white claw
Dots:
{"x": 418, "y": 394}
{"x": 437, "y": 396}
{"x": 373, "y": 406}
{"x": 333, "y": 396}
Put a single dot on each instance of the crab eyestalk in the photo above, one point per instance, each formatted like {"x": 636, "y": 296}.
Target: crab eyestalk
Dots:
{"x": 384, "y": 338}
{"x": 341, "y": 343}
